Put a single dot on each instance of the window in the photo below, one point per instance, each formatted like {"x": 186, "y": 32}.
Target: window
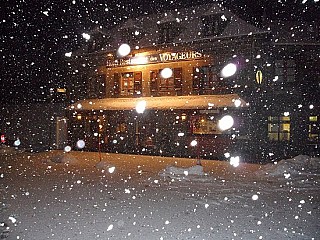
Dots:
{"x": 204, "y": 124}
{"x": 160, "y": 86}
{"x": 206, "y": 81}
{"x": 96, "y": 87}
{"x": 97, "y": 42}
{"x": 285, "y": 70}
{"x": 213, "y": 25}
{"x": 314, "y": 128}
{"x": 154, "y": 82}
{"x": 131, "y": 35}
{"x": 279, "y": 128}
{"x": 168, "y": 31}
{"x": 127, "y": 84}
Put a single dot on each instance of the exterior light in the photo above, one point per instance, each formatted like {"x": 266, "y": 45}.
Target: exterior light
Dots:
{"x": 139, "y": 60}
{"x": 79, "y": 106}
{"x": 311, "y": 106}
{"x": 123, "y": 50}
{"x": 183, "y": 117}
{"x": 166, "y": 73}
{"x": 79, "y": 117}
{"x": 86, "y": 36}
{"x": 141, "y": 106}
{"x": 286, "y": 114}
{"x": 229, "y": 70}
{"x": 225, "y": 123}
{"x": 259, "y": 77}
{"x": 3, "y": 138}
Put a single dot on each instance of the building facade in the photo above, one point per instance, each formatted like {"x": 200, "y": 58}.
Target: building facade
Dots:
{"x": 190, "y": 69}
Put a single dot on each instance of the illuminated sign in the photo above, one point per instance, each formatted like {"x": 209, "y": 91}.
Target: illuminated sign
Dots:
{"x": 259, "y": 77}
{"x": 3, "y": 138}
{"x": 155, "y": 58}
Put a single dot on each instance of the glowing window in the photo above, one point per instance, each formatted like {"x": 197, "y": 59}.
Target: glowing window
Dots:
{"x": 279, "y": 128}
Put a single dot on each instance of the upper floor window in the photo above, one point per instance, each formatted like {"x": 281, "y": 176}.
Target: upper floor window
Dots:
{"x": 279, "y": 128}
{"x": 314, "y": 128}
{"x": 213, "y": 25}
{"x": 127, "y": 84}
{"x": 168, "y": 31}
{"x": 97, "y": 42}
{"x": 131, "y": 35}
{"x": 96, "y": 87}
{"x": 130, "y": 32}
{"x": 160, "y": 86}
{"x": 207, "y": 81}
{"x": 285, "y": 70}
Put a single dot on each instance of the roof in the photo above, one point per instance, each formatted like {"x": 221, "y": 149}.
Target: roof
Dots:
{"x": 188, "y": 19}
{"x": 286, "y": 32}
{"x": 162, "y": 103}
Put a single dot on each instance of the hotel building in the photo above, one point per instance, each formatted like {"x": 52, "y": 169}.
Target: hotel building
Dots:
{"x": 196, "y": 82}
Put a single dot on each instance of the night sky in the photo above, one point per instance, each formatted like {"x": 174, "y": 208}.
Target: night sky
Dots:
{"x": 35, "y": 35}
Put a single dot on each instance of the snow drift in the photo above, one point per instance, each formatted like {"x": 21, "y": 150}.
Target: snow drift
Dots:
{"x": 293, "y": 167}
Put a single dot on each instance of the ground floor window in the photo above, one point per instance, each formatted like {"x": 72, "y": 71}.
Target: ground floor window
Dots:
{"x": 279, "y": 128}
{"x": 204, "y": 124}
{"x": 314, "y": 128}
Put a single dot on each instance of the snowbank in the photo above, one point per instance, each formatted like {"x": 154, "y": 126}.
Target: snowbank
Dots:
{"x": 299, "y": 165}
{"x": 173, "y": 172}
{"x": 212, "y": 201}
{"x": 105, "y": 166}
{"x": 7, "y": 150}
{"x": 62, "y": 158}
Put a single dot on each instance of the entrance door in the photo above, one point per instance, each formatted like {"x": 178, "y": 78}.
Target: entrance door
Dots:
{"x": 61, "y": 132}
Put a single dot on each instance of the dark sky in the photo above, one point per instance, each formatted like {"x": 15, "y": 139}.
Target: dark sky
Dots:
{"x": 35, "y": 34}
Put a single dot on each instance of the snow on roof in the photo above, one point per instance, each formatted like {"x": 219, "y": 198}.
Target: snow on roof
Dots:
{"x": 161, "y": 103}
{"x": 168, "y": 17}
{"x": 190, "y": 22}
{"x": 238, "y": 27}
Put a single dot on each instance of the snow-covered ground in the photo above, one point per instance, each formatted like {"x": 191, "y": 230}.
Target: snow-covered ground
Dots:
{"x": 82, "y": 195}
